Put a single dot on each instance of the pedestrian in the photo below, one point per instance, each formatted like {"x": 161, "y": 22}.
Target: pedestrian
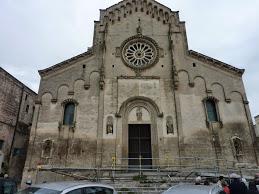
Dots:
{"x": 225, "y": 187}
{"x": 221, "y": 179}
{"x": 198, "y": 180}
{"x": 256, "y": 179}
{"x": 252, "y": 189}
{"x": 244, "y": 181}
{"x": 236, "y": 186}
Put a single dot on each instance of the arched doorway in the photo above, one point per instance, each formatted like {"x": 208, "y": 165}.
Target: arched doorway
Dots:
{"x": 139, "y": 138}
{"x": 139, "y": 132}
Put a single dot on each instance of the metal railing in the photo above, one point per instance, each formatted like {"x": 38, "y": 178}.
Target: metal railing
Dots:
{"x": 165, "y": 169}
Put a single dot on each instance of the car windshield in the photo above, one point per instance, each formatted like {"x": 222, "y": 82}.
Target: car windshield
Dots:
{"x": 35, "y": 190}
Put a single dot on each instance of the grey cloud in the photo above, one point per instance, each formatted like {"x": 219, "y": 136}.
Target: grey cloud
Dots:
{"x": 38, "y": 34}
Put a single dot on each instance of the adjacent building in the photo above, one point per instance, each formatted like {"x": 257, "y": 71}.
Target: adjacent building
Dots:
{"x": 16, "y": 111}
{"x": 140, "y": 92}
{"x": 257, "y": 125}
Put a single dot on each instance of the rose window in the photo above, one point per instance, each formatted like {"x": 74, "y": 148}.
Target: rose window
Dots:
{"x": 139, "y": 53}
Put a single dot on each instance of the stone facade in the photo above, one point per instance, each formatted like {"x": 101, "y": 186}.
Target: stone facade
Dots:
{"x": 16, "y": 111}
{"x": 139, "y": 72}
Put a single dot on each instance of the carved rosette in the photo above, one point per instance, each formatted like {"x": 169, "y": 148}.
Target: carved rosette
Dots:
{"x": 139, "y": 52}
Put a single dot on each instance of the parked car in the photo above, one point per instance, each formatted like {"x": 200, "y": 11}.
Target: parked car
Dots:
{"x": 76, "y": 187}
{"x": 193, "y": 189}
{"x": 7, "y": 186}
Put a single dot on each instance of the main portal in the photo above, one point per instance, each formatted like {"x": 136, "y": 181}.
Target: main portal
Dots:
{"x": 140, "y": 152}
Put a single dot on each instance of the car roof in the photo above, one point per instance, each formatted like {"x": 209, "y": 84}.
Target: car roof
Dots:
{"x": 61, "y": 186}
{"x": 191, "y": 189}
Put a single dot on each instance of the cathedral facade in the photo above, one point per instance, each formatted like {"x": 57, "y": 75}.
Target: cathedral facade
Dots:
{"x": 140, "y": 95}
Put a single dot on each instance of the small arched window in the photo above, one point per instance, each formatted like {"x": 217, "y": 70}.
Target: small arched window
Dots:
{"x": 69, "y": 112}
{"x": 211, "y": 110}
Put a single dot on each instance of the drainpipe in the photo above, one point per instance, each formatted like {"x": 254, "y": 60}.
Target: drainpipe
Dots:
{"x": 16, "y": 127}
{"x": 214, "y": 144}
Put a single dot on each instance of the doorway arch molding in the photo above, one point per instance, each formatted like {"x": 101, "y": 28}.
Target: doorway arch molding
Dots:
{"x": 154, "y": 112}
{"x": 142, "y": 100}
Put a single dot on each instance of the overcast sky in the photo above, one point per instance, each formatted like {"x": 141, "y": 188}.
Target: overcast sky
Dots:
{"x": 36, "y": 34}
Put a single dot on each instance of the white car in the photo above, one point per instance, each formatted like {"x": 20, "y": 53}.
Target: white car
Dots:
{"x": 76, "y": 187}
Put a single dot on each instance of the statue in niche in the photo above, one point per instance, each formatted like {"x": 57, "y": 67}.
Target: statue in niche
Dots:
{"x": 169, "y": 125}
{"x": 47, "y": 148}
{"x": 139, "y": 114}
{"x": 109, "y": 125}
{"x": 238, "y": 146}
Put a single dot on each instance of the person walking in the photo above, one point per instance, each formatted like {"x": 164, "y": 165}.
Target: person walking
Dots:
{"x": 221, "y": 179}
{"x": 256, "y": 179}
{"x": 252, "y": 189}
{"x": 236, "y": 186}
{"x": 225, "y": 187}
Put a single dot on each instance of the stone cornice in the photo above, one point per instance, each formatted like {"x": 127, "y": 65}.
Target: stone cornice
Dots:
{"x": 138, "y": 77}
{"x": 216, "y": 63}
{"x": 66, "y": 63}
{"x": 127, "y": 7}
{"x": 130, "y": 1}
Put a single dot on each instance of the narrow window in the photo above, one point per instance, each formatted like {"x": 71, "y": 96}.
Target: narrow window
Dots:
{"x": 69, "y": 112}
{"x": 211, "y": 110}
{"x": 1, "y": 144}
{"x": 19, "y": 152}
{"x": 27, "y": 108}
{"x": 33, "y": 109}
{"x": 26, "y": 96}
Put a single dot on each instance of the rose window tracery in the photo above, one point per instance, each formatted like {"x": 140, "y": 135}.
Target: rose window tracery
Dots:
{"x": 139, "y": 52}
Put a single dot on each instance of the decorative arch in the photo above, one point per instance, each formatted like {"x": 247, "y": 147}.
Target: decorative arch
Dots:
{"x": 184, "y": 72}
{"x": 154, "y": 113}
{"x": 63, "y": 88}
{"x": 241, "y": 95}
{"x": 46, "y": 95}
{"x": 139, "y": 99}
{"x": 204, "y": 80}
{"x": 78, "y": 85}
{"x": 69, "y": 100}
{"x": 223, "y": 90}
{"x": 88, "y": 75}
{"x": 210, "y": 98}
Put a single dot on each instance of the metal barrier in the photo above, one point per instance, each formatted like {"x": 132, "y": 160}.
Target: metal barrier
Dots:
{"x": 118, "y": 171}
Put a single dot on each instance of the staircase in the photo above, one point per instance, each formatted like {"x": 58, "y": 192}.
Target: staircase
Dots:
{"x": 155, "y": 179}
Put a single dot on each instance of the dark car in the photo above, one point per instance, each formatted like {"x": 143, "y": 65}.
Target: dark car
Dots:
{"x": 193, "y": 189}
{"x": 7, "y": 186}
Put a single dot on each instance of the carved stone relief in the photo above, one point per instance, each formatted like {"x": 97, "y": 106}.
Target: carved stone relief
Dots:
{"x": 139, "y": 114}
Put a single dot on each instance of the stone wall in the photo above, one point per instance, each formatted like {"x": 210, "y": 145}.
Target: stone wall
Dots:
{"x": 16, "y": 111}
